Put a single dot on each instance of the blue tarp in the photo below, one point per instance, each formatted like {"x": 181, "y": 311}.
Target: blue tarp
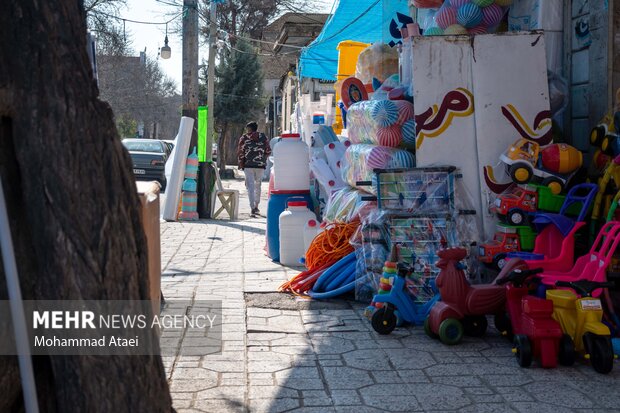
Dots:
{"x": 366, "y": 21}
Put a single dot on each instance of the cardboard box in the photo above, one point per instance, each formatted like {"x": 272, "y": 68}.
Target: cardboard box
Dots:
{"x": 149, "y": 198}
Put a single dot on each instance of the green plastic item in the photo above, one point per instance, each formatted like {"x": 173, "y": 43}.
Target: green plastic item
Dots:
{"x": 202, "y": 135}
{"x": 527, "y": 236}
{"x": 553, "y": 203}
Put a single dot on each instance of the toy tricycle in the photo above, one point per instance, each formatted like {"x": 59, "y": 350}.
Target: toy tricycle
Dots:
{"x": 536, "y": 333}
{"x": 384, "y": 319}
{"x": 464, "y": 307}
{"x": 581, "y": 319}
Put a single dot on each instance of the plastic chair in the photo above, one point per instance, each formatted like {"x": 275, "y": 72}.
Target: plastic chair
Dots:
{"x": 229, "y": 198}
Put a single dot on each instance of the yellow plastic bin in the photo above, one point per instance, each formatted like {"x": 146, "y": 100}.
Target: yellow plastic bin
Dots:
{"x": 348, "y": 53}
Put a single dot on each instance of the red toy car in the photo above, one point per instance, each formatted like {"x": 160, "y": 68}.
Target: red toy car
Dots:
{"x": 516, "y": 204}
{"x": 536, "y": 333}
{"x": 494, "y": 253}
{"x": 463, "y": 307}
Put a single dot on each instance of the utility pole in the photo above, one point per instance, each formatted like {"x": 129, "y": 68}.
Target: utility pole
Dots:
{"x": 190, "y": 65}
{"x": 211, "y": 79}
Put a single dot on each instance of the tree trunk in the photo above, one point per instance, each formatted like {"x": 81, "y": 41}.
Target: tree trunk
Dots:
{"x": 232, "y": 143}
{"x": 72, "y": 205}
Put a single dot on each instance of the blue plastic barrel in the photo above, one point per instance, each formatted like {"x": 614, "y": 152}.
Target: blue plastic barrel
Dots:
{"x": 275, "y": 206}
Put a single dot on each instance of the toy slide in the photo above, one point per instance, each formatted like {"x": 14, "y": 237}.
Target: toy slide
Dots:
{"x": 173, "y": 190}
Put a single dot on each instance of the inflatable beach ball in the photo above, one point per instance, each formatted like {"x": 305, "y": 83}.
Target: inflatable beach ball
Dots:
{"x": 480, "y": 29}
{"x": 445, "y": 17}
{"x": 378, "y": 157}
{"x": 405, "y": 111}
{"x": 458, "y": 3}
{"x": 492, "y": 15}
{"x": 401, "y": 159}
{"x": 482, "y": 3}
{"x": 408, "y": 132}
{"x": 469, "y": 15}
{"x": 433, "y": 31}
{"x": 390, "y": 136}
{"x": 384, "y": 112}
{"x": 455, "y": 29}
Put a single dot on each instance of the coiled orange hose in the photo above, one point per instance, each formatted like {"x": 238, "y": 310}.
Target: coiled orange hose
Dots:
{"x": 330, "y": 245}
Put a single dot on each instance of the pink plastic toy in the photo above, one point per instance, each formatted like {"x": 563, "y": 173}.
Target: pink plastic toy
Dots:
{"x": 554, "y": 249}
{"x": 593, "y": 265}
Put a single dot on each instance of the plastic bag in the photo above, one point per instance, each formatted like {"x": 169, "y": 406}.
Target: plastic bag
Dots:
{"x": 467, "y": 17}
{"x": 427, "y": 4}
{"x": 558, "y": 93}
{"x": 378, "y": 61}
{"x": 382, "y": 122}
{"x": 360, "y": 160}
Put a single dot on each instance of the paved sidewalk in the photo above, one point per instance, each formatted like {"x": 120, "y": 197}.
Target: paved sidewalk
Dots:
{"x": 283, "y": 355}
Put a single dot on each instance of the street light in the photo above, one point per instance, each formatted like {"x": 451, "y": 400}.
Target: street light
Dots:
{"x": 165, "y": 51}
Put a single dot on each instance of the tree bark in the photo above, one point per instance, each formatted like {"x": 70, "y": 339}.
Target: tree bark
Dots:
{"x": 72, "y": 204}
{"x": 222, "y": 150}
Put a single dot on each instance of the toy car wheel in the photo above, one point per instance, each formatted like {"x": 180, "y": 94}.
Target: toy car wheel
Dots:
{"x": 523, "y": 350}
{"x": 607, "y": 144}
{"x": 554, "y": 184}
{"x": 601, "y": 352}
{"x": 427, "y": 328}
{"x": 521, "y": 173}
{"x": 597, "y": 134}
{"x": 566, "y": 354}
{"x": 450, "y": 331}
{"x": 503, "y": 324}
{"x": 384, "y": 320}
{"x": 515, "y": 217}
{"x": 499, "y": 261}
{"x": 475, "y": 326}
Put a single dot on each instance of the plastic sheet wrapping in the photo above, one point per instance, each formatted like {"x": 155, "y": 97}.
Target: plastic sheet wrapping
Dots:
{"x": 359, "y": 161}
{"x": 467, "y": 17}
{"x": 378, "y": 61}
{"x": 382, "y": 122}
{"x": 420, "y": 210}
{"x": 427, "y": 4}
{"x": 558, "y": 93}
{"x": 346, "y": 205}
{"x": 418, "y": 239}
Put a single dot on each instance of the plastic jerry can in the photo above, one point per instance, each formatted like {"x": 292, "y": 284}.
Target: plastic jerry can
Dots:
{"x": 292, "y": 222}
{"x": 291, "y": 164}
{"x": 311, "y": 230}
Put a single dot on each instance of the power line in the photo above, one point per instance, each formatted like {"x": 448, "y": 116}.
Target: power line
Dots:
{"x": 135, "y": 21}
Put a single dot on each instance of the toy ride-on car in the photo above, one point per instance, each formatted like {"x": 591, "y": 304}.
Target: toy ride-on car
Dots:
{"x": 464, "y": 307}
{"x": 536, "y": 333}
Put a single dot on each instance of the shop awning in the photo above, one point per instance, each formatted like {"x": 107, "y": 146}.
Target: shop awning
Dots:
{"x": 365, "y": 21}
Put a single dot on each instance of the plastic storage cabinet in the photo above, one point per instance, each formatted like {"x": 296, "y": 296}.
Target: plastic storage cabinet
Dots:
{"x": 292, "y": 222}
{"x": 291, "y": 164}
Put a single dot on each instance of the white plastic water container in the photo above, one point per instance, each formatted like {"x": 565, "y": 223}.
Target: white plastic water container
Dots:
{"x": 292, "y": 222}
{"x": 311, "y": 230}
{"x": 291, "y": 164}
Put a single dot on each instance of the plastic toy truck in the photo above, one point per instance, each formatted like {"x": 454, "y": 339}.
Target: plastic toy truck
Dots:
{"x": 553, "y": 166}
{"x": 506, "y": 240}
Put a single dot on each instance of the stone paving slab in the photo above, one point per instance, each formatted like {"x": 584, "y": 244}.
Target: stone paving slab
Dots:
{"x": 284, "y": 355}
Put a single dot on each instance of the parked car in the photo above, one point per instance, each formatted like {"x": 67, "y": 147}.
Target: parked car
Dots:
{"x": 149, "y": 158}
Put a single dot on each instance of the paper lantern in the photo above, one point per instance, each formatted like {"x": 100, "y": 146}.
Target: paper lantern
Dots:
{"x": 445, "y": 17}
{"x": 492, "y": 15}
{"x": 384, "y": 112}
{"x": 469, "y": 15}
{"x": 455, "y": 29}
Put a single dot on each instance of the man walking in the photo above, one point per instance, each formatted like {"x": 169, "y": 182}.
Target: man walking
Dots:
{"x": 252, "y": 152}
